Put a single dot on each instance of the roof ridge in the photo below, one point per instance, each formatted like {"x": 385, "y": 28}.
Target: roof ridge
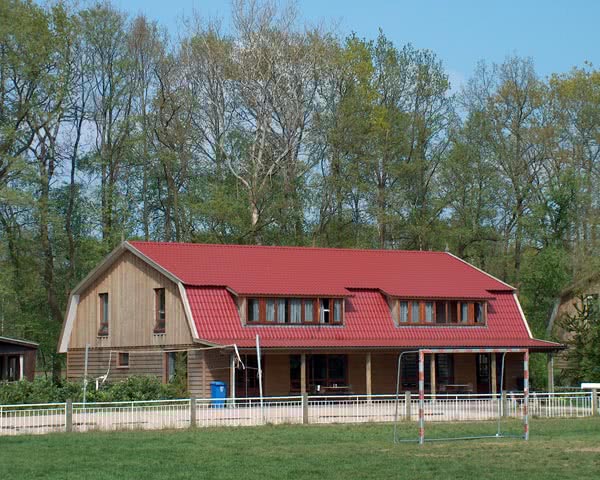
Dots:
{"x": 287, "y": 247}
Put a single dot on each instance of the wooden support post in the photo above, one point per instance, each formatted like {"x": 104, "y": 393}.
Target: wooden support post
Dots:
{"x": 303, "y": 373}
{"x": 69, "y": 415}
{"x": 550, "y": 364}
{"x": 192, "y": 412}
{"x": 504, "y": 404}
{"x": 232, "y": 378}
{"x": 432, "y": 375}
{"x": 408, "y": 405}
{"x": 494, "y": 378}
{"x": 368, "y": 375}
{"x": 305, "y": 408}
{"x": 595, "y": 402}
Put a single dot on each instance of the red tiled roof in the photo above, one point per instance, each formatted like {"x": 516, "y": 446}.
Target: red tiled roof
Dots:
{"x": 368, "y": 323}
{"x": 211, "y": 272}
{"x": 251, "y": 270}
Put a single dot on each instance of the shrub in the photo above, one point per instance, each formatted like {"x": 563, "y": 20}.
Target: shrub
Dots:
{"x": 42, "y": 390}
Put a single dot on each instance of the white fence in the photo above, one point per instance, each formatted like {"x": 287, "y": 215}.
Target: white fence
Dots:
{"x": 154, "y": 415}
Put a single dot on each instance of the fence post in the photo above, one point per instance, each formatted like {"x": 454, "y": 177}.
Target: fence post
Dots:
{"x": 504, "y": 401}
{"x": 305, "y": 408}
{"x": 407, "y": 404}
{"x": 69, "y": 415}
{"x": 192, "y": 412}
{"x": 595, "y": 402}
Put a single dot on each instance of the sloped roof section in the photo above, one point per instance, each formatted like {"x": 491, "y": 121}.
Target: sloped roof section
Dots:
{"x": 368, "y": 323}
{"x": 298, "y": 271}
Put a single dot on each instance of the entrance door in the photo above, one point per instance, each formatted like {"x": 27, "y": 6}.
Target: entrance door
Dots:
{"x": 483, "y": 373}
{"x": 246, "y": 380}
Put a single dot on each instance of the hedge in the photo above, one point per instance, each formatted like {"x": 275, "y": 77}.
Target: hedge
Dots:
{"x": 42, "y": 390}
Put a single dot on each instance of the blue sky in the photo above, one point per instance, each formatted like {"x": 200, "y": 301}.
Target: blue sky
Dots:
{"x": 557, "y": 34}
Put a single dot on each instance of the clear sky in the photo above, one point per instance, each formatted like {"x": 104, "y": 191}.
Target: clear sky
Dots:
{"x": 557, "y": 34}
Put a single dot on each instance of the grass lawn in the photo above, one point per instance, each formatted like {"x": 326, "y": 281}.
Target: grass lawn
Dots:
{"x": 560, "y": 449}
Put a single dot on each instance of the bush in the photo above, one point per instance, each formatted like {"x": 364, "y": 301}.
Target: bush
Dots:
{"x": 42, "y": 390}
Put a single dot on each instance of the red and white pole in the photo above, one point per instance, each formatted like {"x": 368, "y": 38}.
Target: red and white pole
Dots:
{"x": 421, "y": 397}
{"x": 526, "y": 394}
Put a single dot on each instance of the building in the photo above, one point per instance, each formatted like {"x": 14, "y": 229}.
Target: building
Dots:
{"x": 17, "y": 359}
{"x": 328, "y": 320}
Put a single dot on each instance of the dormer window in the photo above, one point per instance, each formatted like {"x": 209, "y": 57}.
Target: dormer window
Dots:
{"x": 325, "y": 311}
{"x": 253, "y": 310}
{"x": 438, "y": 312}
{"x": 294, "y": 311}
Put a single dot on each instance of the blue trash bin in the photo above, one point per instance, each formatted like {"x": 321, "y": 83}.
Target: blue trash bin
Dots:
{"x": 218, "y": 394}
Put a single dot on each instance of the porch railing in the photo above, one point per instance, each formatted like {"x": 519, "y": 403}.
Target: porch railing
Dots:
{"x": 177, "y": 414}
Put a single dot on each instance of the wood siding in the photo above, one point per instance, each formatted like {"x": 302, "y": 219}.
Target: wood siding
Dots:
{"x": 130, "y": 285}
{"x": 102, "y": 361}
{"x": 277, "y": 374}
{"x": 205, "y": 367}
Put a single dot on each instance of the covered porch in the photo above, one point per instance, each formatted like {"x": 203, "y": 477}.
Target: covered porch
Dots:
{"x": 17, "y": 359}
{"x": 374, "y": 372}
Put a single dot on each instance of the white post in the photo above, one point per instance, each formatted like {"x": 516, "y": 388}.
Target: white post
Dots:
{"x": 432, "y": 374}
{"x": 232, "y": 378}
{"x": 260, "y": 384}
{"x": 21, "y": 367}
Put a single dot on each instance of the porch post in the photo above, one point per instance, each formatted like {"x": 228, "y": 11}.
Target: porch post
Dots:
{"x": 368, "y": 375}
{"x": 232, "y": 378}
{"x": 550, "y": 364}
{"x": 432, "y": 374}
{"x": 493, "y": 373}
{"x": 303, "y": 373}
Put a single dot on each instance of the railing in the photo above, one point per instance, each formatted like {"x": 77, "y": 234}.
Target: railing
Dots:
{"x": 176, "y": 414}
{"x": 33, "y": 418}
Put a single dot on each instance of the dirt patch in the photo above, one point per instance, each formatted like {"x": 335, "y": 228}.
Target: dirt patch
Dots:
{"x": 585, "y": 449}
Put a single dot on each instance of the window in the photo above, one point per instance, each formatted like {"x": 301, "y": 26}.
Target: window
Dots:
{"x": 176, "y": 368}
{"x": 337, "y": 311}
{"x": 429, "y": 312}
{"x": 453, "y": 312}
{"x": 270, "y": 306}
{"x": 123, "y": 360}
{"x": 326, "y": 371}
{"x": 160, "y": 311}
{"x": 403, "y": 312}
{"x": 325, "y": 311}
{"x": 253, "y": 310}
{"x": 281, "y": 310}
{"x": 479, "y": 312}
{"x": 439, "y": 312}
{"x": 295, "y": 310}
{"x": 309, "y": 308}
{"x": 464, "y": 312}
{"x": 415, "y": 314}
{"x": 103, "y": 310}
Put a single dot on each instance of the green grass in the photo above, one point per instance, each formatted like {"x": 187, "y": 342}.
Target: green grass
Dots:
{"x": 560, "y": 449}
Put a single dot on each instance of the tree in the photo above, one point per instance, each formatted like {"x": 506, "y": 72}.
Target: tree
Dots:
{"x": 584, "y": 339}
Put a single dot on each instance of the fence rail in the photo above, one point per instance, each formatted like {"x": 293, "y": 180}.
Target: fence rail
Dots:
{"x": 161, "y": 414}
